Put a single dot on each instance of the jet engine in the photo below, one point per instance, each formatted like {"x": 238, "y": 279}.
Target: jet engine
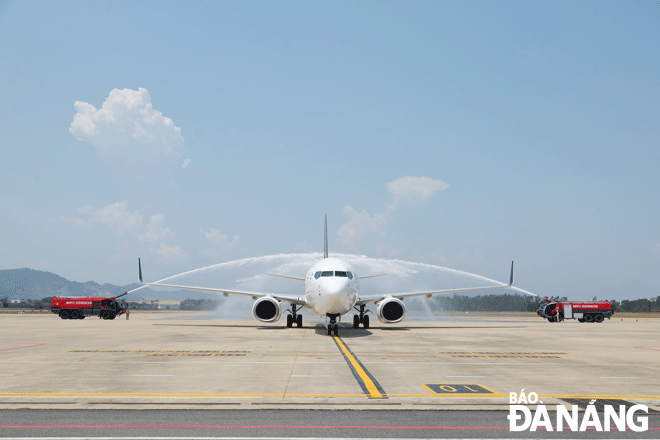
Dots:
{"x": 391, "y": 311}
{"x": 266, "y": 309}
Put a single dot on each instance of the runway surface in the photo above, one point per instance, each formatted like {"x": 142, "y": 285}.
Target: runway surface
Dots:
{"x": 277, "y": 424}
{"x": 162, "y": 362}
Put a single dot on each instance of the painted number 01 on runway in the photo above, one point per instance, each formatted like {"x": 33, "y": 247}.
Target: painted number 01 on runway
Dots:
{"x": 452, "y": 388}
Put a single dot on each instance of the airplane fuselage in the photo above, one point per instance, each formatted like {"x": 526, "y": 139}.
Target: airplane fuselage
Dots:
{"x": 331, "y": 287}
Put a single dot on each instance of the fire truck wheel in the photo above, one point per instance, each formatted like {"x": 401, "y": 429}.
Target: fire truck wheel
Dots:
{"x": 588, "y": 317}
{"x": 599, "y": 317}
{"x": 112, "y": 316}
{"x": 105, "y": 314}
{"x": 64, "y": 314}
{"x": 81, "y": 316}
{"x": 580, "y": 320}
{"x": 74, "y": 314}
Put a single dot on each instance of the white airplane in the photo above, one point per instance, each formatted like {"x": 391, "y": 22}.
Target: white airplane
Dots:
{"x": 332, "y": 288}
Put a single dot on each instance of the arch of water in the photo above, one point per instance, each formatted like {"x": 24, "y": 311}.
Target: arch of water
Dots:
{"x": 249, "y": 274}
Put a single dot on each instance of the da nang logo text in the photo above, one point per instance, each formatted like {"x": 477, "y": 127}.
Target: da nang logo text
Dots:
{"x": 521, "y": 418}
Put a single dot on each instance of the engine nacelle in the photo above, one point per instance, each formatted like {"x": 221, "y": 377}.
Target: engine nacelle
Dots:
{"x": 266, "y": 309}
{"x": 391, "y": 311}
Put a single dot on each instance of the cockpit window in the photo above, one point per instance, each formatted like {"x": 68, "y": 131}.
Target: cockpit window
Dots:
{"x": 317, "y": 275}
{"x": 350, "y": 275}
{"x": 326, "y": 273}
{"x": 339, "y": 273}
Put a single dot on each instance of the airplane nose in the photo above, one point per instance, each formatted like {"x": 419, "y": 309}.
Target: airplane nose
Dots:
{"x": 336, "y": 286}
{"x": 334, "y": 298}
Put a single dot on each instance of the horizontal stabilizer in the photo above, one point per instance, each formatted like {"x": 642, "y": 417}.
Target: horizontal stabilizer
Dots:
{"x": 285, "y": 276}
{"x": 373, "y": 276}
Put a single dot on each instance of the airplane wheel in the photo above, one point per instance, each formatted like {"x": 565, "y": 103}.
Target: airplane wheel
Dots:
{"x": 329, "y": 330}
{"x": 365, "y": 322}
{"x": 336, "y": 329}
{"x": 588, "y": 318}
{"x": 356, "y": 321}
{"x": 289, "y": 321}
{"x": 64, "y": 314}
{"x": 599, "y": 318}
{"x": 299, "y": 321}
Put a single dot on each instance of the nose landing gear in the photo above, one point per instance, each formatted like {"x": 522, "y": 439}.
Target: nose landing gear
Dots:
{"x": 333, "y": 327}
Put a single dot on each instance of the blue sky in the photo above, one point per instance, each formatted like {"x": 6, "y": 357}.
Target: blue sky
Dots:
{"x": 463, "y": 134}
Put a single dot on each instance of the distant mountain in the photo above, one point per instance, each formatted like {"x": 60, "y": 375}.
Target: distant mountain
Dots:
{"x": 36, "y": 284}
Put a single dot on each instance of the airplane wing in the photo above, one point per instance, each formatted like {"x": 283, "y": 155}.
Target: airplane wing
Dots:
{"x": 375, "y": 298}
{"x": 294, "y": 299}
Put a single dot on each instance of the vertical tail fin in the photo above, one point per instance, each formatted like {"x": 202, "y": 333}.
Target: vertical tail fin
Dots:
{"x": 325, "y": 241}
{"x": 511, "y": 278}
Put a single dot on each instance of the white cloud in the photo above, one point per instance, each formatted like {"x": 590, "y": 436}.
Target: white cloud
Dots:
{"x": 157, "y": 231}
{"x": 360, "y": 226}
{"x": 413, "y": 188}
{"x": 363, "y": 227}
{"x": 128, "y": 132}
{"x": 170, "y": 254}
{"x": 220, "y": 240}
{"x": 115, "y": 216}
{"x": 118, "y": 218}
{"x": 303, "y": 247}
{"x": 185, "y": 163}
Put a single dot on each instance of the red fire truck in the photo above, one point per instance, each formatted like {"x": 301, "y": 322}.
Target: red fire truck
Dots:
{"x": 556, "y": 311}
{"x": 80, "y": 308}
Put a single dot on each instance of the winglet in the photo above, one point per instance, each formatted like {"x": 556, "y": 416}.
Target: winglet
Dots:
{"x": 511, "y": 279}
{"x": 140, "y": 269}
{"x": 325, "y": 241}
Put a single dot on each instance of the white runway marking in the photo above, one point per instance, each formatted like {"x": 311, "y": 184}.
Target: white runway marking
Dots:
{"x": 310, "y": 375}
{"x": 152, "y": 375}
{"x": 619, "y": 377}
{"x": 213, "y": 438}
{"x": 465, "y": 376}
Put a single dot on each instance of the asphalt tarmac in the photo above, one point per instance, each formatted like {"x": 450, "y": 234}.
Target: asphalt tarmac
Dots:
{"x": 317, "y": 424}
{"x": 447, "y": 378}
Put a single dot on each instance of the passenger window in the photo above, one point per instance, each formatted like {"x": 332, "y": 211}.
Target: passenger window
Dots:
{"x": 326, "y": 273}
{"x": 317, "y": 275}
{"x": 340, "y": 273}
{"x": 350, "y": 275}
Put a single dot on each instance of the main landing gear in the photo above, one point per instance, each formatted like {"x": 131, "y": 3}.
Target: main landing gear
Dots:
{"x": 333, "y": 328}
{"x": 362, "y": 318}
{"x": 294, "y": 317}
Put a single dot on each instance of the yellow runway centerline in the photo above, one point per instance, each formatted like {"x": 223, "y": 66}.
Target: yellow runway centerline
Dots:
{"x": 368, "y": 383}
